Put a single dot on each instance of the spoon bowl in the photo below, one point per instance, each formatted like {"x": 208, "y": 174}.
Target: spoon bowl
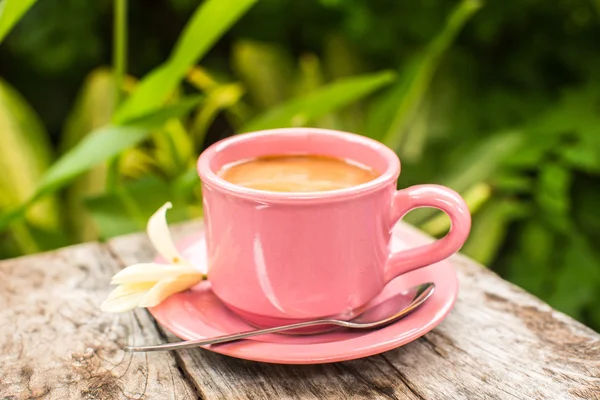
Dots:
{"x": 379, "y": 315}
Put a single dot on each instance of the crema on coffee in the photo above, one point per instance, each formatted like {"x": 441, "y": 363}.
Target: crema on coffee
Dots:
{"x": 297, "y": 173}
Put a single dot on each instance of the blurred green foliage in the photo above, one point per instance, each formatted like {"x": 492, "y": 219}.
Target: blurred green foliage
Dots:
{"x": 499, "y": 100}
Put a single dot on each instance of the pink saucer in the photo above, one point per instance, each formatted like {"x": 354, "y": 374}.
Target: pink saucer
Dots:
{"x": 199, "y": 314}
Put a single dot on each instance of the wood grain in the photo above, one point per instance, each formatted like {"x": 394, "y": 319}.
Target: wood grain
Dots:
{"x": 498, "y": 343}
{"x": 221, "y": 377}
{"x": 56, "y": 344}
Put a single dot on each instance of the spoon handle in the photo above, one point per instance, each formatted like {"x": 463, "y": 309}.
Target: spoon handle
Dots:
{"x": 229, "y": 338}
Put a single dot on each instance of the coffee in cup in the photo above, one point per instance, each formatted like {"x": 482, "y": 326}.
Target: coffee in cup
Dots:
{"x": 297, "y": 173}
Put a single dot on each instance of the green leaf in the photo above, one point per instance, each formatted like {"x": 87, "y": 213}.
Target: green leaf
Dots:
{"x": 385, "y": 108}
{"x": 310, "y": 78}
{"x": 92, "y": 112}
{"x": 530, "y": 261}
{"x": 185, "y": 184}
{"x": 416, "y": 134}
{"x": 135, "y": 162}
{"x": 25, "y": 150}
{"x": 128, "y": 208}
{"x": 512, "y": 182}
{"x": 475, "y": 165}
{"x": 553, "y": 195}
{"x": 97, "y": 147}
{"x": 108, "y": 142}
{"x": 568, "y": 129}
{"x": 93, "y": 109}
{"x": 577, "y": 279}
{"x": 392, "y": 114}
{"x": 25, "y": 153}
{"x": 23, "y": 238}
{"x": 483, "y": 160}
{"x": 310, "y": 75}
{"x": 206, "y": 26}
{"x": 11, "y": 11}
{"x": 155, "y": 119}
{"x": 173, "y": 148}
{"x": 489, "y": 229}
{"x": 265, "y": 70}
{"x": 340, "y": 58}
{"x": 219, "y": 98}
{"x": 236, "y": 112}
{"x": 12, "y": 215}
{"x": 584, "y": 154}
{"x": 585, "y": 201}
{"x": 49, "y": 239}
{"x": 576, "y": 109}
{"x": 302, "y": 110}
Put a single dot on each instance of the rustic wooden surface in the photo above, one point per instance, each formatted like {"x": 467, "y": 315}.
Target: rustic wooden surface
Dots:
{"x": 498, "y": 343}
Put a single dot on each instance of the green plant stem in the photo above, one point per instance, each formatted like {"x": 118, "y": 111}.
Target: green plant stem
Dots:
{"x": 119, "y": 71}
{"x": 119, "y": 48}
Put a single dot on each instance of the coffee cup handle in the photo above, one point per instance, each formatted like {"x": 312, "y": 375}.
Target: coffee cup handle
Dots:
{"x": 434, "y": 196}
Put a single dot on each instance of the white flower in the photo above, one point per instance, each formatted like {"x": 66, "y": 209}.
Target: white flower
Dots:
{"x": 148, "y": 284}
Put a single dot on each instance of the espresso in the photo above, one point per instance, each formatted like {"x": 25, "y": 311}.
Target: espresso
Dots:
{"x": 297, "y": 173}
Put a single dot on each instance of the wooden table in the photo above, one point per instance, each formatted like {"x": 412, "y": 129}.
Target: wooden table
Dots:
{"x": 498, "y": 343}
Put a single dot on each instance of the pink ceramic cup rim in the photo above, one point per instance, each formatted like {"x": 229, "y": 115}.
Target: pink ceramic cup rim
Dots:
{"x": 211, "y": 179}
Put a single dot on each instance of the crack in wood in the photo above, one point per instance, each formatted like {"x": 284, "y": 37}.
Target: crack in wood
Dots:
{"x": 386, "y": 392}
{"x": 180, "y": 364}
{"x": 178, "y": 361}
{"x": 440, "y": 352}
{"x": 404, "y": 379}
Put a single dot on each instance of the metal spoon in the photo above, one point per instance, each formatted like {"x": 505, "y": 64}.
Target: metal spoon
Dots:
{"x": 377, "y": 316}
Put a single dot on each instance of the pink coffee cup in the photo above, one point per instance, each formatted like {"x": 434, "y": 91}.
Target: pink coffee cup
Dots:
{"x": 277, "y": 258}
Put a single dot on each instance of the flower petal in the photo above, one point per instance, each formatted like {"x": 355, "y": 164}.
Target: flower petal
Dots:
{"x": 160, "y": 236}
{"x": 126, "y": 289}
{"x": 150, "y": 272}
{"x": 166, "y": 288}
{"x": 125, "y": 297}
{"x": 122, "y": 304}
